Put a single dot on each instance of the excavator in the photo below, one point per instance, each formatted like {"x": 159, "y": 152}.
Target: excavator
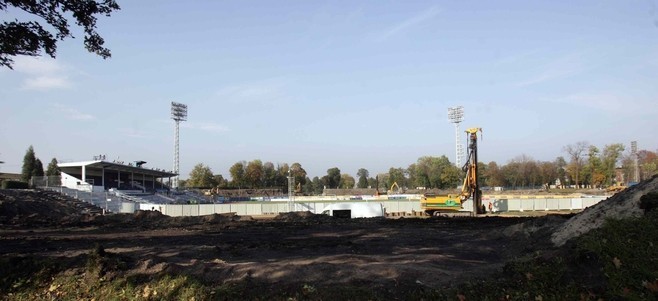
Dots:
{"x": 436, "y": 205}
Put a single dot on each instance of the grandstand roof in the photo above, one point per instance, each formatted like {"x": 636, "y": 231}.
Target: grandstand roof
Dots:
{"x": 100, "y": 164}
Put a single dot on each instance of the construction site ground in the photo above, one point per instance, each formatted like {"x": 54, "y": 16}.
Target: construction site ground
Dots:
{"x": 292, "y": 256}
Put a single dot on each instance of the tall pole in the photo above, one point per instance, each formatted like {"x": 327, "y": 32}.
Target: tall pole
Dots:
{"x": 178, "y": 114}
{"x": 456, "y": 115}
{"x": 291, "y": 192}
{"x": 636, "y": 165}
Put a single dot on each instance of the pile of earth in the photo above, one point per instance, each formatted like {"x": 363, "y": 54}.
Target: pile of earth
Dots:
{"x": 41, "y": 208}
{"x": 556, "y": 230}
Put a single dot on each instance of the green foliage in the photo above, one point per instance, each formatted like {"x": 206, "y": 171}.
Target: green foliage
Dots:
{"x": 52, "y": 169}
{"x": 347, "y": 181}
{"x": 332, "y": 179}
{"x": 238, "y": 171}
{"x": 628, "y": 249}
{"x": 397, "y": 175}
{"x": 29, "y": 163}
{"x": 619, "y": 261}
{"x": 318, "y": 187}
{"x": 31, "y": 38}
{"x": 363, "y": 174}
{"x": 436, "y": 172}
{"x": 298, "y": 172}
{"x": 201, "y": 176}
{"x": 38, "y": 169}
{"x": 254, "y": 174}
{"x": 14, "y": 185}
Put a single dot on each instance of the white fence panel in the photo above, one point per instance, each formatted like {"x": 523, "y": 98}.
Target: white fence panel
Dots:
{"x": 173, "y": 210}
{"x": 513, "y": 205}
{"x": 553, "y": 204}
{"x": 539, "y": 204}
{"x": 527, "y": 205}
{"x": 587, "y": 202}
{"x": 564, "y": 204}
{"x": 206, "y": 209}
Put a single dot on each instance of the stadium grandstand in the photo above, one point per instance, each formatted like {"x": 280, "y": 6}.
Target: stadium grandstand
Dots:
{"x": 115, "y": 185}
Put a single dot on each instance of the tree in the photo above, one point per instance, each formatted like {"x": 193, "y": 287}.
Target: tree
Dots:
{"x": 561, "y": 165}
{"x": 318, "y": 188}
{"x": 363, "y": 178}
{"x": 332, "y": 179}
{"x": 29, "y": 161}
{"x": 282, "y": 176}
{"x": 575, "y": 152}
{"x": 347, "y": 181}
{"x": 237, "y": 172}
{"x": 436, "y": 172}
{"x": 308, "y": 187}
{"x": 254, "y": 174}
{"x": 592, "y": 171}
{"x": 298, "y": 173}
{"x": 220, "y": 181}
{"x": 52, "y": 169}
{"x": 201, "y": 177}
{"x": 269, "y": 174}
{"x": 31, "y": 38}
{"x": 38, "y": 168}
{"x": 548, "y": 172}
{"x": 493, "y": 175}
{"x": 397, "y": 175}
{"x": 611, "y": 154}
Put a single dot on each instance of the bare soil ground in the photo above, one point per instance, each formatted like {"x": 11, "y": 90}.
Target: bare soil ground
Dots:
{"x": 393, "y": 256}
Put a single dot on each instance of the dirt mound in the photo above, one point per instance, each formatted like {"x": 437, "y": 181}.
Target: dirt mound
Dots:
{"x": 294, "y": 216}
{"x": 621, "y": 205}
{"x": 41, "y": 208}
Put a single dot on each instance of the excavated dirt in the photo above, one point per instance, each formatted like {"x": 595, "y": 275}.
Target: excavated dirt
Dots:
{"x": 293, "y": 248}
{"x": 621, "y": 205}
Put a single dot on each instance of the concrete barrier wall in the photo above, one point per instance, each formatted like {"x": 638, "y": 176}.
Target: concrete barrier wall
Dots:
{"x": 260, "y": 208}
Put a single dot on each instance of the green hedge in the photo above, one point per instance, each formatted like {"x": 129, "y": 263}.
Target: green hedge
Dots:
{"x": 14, "y": 185}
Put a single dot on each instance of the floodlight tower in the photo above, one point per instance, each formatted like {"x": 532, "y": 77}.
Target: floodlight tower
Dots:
{"x": 178, "y": 114}
{"x": 636, "y": 171}
{"x": 291, "y": 192}
{"x": 456, "y": 115}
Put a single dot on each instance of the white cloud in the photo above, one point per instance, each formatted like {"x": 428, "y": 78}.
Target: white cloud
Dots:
{"x": 72, "y": 113}
{"x": 409, "y": 23}
{"x": 206, "y": 126}
{"x": 42, "y": 73}
{"x": 46, "y": 83}
{"x": 260, "y": 91}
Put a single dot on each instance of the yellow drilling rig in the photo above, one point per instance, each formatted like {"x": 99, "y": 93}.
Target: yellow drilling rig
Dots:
{"x": 439, "y": 204}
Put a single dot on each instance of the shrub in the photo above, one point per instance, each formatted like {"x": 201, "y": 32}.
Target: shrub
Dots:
{"x": 14, "y": 185}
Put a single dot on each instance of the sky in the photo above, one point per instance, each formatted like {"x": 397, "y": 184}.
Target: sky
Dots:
{"x": 347, "y": 84}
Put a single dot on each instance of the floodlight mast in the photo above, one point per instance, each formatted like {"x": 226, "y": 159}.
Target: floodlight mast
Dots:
{"x": 634, "y": 154}
{"x": 178, "y": 114}
{"x": 456, "y": 115}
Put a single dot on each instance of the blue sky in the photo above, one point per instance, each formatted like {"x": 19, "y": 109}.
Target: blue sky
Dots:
{"x": 347, "y": 84}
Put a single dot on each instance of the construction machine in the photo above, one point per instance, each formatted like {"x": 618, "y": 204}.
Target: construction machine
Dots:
{"x": 440, "y": 204}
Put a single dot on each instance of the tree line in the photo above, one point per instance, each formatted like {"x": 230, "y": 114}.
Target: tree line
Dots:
{"x": 585, "y": 165}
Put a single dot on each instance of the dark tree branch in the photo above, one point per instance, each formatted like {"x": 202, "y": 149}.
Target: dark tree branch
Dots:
{"x": 30, "y": 38}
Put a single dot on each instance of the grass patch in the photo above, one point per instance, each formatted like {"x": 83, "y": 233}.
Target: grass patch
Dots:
{"x": 618, "y": 261}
